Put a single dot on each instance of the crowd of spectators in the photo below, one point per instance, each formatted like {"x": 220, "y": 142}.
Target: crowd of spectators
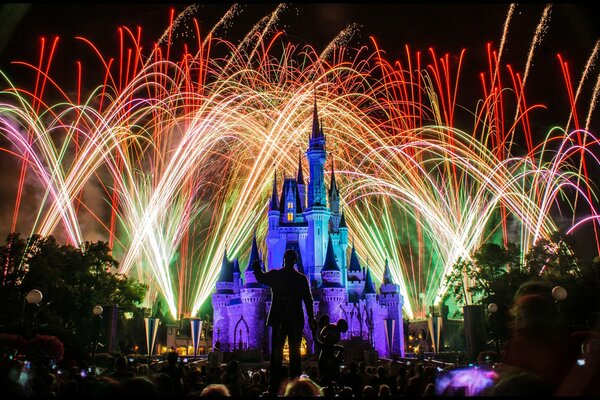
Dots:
{"x": 540, "y": 358}
{"x": 175, "y": 378}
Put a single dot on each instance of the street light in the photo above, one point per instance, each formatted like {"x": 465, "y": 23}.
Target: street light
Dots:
{"x": 34, "y": 296}
{"x": 492, "y": 310}
{"x": 559, "y": 293}
{"x": 97, "y": 312}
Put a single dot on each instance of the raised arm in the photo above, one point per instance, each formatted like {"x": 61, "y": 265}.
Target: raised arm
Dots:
{"x": 261, "y": 276}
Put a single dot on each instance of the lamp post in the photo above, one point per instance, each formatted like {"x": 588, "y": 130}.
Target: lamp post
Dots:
{"x": 559, "y": 294}
{"x": 97, "y": 312}
{"x": 492, "y": 310}
{"x": 34, "y": 297}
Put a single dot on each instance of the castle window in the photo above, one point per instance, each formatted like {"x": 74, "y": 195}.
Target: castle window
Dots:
{"x": 290, "y": 204}
{"x": 318, "y": 231}
{"x": 290, "y": 216}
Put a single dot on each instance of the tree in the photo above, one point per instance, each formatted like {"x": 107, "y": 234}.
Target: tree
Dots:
{"x": 493, "y": 274}
{"x": 72, "y": 280}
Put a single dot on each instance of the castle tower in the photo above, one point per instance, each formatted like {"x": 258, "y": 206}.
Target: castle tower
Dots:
{"x": 272, "y": 233}
{"x": 220, "y": 302}
{"x": 237, "y": 280}
{"x": 355, "y": 278}
{"x": 332, "y": 293}
{"x": 343, "y": 232}
{"x": 317, "y": 214}
{"x": 393, "y": 301}
{"x": 253, "y": 296}
{"x": 301, "y": 185}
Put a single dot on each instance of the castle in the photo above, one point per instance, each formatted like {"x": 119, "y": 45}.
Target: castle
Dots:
{"x": 308, "y": 219}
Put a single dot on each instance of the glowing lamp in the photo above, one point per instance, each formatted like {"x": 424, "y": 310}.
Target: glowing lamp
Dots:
{"x": 559, "y": 293}
{"x": 492, "y": 307}
{"x": 97, "y": 310}
{"x": 34, "y": 296}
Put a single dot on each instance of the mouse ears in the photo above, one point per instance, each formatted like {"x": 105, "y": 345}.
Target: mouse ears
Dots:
{"x": 323, "y": 321}
{"x": 342, "y": 325}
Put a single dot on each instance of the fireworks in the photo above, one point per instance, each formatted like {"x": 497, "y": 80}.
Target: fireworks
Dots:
{"x": 181, "y": 151}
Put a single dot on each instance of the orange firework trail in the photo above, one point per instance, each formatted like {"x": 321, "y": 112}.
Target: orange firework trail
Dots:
{"x": 179, "y": 142}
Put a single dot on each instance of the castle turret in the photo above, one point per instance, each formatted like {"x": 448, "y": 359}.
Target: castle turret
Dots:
{"x": 253, "y": 296}
{"x": 369, "y": 289}
{"x": 334, "y": 201}
{"x": 237, "y": 276}
{"x": 274, "y": 203}
{"x": 393, "y": 301}
{"x": 301, "y": 185}
{"x": 332, "y": 292}
{"x": 220, "y": 302}
{"x": 355, "y": 278}
{"x": 317, "y": 214}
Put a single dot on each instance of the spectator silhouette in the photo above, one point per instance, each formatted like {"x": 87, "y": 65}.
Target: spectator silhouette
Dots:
{"x": 289, "y": 288}
{"x": 538, "y": 341}
{"x": 175, "y": 372}
{"x": 121, "y": 371}
{"x": 215, "y": 390}
{"x": 302, "y": 387}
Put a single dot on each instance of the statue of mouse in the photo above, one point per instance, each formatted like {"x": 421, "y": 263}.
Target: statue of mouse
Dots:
{"x": 331, "y": 355}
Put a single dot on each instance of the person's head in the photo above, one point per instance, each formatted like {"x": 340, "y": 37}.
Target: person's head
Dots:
{"x": 215, "y": 390}
{"x": 233, "y": 367}
{"x": 121, "y": 363}
{"x": 368, "y": 391}
{"x": 172, "y": 357}
{"x": 534, "y": 286}
{"x": 384, "y": 391}
{"x": 289, "y": 258}
{"x": 535, "y": 314}
{"x": 302, "y": 387}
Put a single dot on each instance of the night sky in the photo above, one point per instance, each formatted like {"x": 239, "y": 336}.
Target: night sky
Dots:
{"x": 572, "y": 31}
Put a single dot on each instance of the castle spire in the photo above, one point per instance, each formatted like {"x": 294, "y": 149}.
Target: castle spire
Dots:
{"x": 333, "y": 186}
{"x": 274, "y": 206}
{"x": 343, "y": 224}
{"x": 354, "y": 262}
{"x": 253, "y": 252}
{"x": 315, "y": 125}
{"x": 226, "y": 274}
{"x": 387, "y": 275}
{"x": 330, "y": 263}
{"x": 300, "y": 178}
{"x": 369, "y": 288}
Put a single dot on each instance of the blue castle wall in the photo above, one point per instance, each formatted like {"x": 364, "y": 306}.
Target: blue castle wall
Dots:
{"x": 308, "y": 219}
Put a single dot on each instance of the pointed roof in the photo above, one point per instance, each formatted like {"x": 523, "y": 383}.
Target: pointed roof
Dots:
{"x": 298, "y": 202}
{"x": 253, "y": 253}
{"x": 315, "y": 125}
{"x": 332, "y": 185}
{"x": 330, "y": 263}
{"x": 282, "y": 197}
{"x": 274, "y": 206}
{"x": 343, "y": 221}
{"x": 354, "y": 261}
{"x": 226, "y": 274}
{"x": 300, "y": 177}
{"x": 387, "y": 275}
{"x": 236, "y": 266}
{"x": 369, "y": 288}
